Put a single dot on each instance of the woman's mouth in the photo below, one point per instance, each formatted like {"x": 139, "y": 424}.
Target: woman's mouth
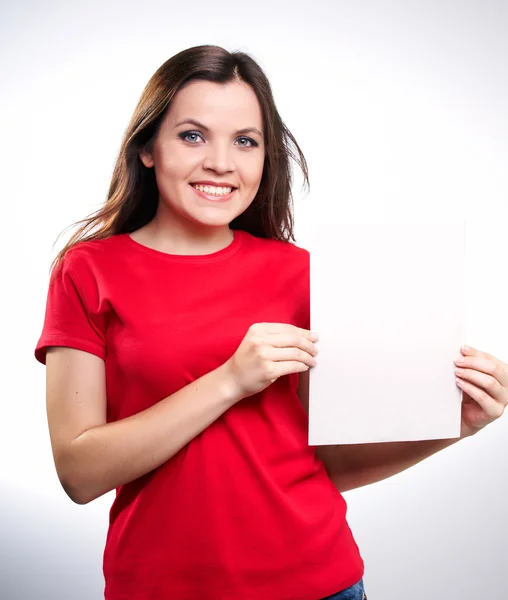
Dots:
{"x": 215, "y": 194}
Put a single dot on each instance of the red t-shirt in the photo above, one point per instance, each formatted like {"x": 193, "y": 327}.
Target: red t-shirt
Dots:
{"x": 245, "y": 511}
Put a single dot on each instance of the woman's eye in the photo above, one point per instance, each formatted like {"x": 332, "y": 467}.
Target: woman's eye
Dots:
{"x": 252, "y": 142}
{"x": 187, "y": 134}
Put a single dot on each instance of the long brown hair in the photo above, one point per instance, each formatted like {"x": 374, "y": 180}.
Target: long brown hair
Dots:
{"x": 133, "y": 194}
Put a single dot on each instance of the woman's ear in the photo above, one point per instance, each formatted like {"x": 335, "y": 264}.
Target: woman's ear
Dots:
{"x": 146, "y": 158}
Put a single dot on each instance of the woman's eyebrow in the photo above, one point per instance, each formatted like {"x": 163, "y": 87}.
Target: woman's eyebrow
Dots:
{"x": 198, "y": 124}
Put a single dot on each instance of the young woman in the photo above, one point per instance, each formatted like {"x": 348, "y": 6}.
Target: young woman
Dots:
{"x": 177, "y": 343}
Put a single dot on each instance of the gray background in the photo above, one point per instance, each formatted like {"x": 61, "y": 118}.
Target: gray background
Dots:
{"x": 401, "y": 111}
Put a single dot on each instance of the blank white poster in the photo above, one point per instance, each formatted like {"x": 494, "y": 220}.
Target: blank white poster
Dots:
{"x": 387, "y": 301}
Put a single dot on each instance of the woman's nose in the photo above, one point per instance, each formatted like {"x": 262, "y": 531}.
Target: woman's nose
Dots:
{"x": 219, "y": 158}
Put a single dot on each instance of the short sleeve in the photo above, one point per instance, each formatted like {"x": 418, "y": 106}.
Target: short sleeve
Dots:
{"x": 69, "y": 319}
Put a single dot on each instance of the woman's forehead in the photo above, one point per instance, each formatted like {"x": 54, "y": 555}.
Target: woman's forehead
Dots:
{"x": 216, "y": 106}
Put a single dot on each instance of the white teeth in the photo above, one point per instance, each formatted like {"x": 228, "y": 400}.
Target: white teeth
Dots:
{"x": 212, "y": 189}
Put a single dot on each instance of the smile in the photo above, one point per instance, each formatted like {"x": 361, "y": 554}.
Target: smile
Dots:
{"x": 214, "y": 197}
{"x": 212, "y": 189}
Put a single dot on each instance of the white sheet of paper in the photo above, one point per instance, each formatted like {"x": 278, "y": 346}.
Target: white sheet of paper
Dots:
{"x": 387, "y": 301}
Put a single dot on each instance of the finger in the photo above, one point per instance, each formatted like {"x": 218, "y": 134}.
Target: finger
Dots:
{"x": 486, "y": 382}
{"x": 492, "y": 367}
{"x": 491, "y": 408}
{"x": 287, "y": 368}
{"x": 287, "y": 328}
{"x": 284, "y": 340}
{"x": 476, "y": 353}
{"x": 290, "y": 354}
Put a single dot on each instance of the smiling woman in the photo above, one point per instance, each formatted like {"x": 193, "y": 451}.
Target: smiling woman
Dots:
{"x": 174, "y": 338}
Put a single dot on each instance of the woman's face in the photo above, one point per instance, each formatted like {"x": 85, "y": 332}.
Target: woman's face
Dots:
{"x": 215, "y": 150}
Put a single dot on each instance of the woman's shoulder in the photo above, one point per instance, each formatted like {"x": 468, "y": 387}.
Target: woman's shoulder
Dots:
{"x": 94, "y": 247}
{"x": 89, "y": 255}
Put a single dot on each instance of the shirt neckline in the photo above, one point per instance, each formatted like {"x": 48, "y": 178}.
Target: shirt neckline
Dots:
{"x": 226, "y": 252}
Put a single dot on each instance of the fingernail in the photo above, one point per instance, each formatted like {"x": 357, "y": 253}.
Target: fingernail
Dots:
{"x": 466, "y": 348}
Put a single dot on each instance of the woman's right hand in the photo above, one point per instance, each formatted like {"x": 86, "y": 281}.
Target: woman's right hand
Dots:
{"x": 269, "y": 351}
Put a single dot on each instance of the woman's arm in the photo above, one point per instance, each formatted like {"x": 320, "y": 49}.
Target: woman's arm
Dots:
{"x": 355, "y": 465}
{"x": 93, "y": 457}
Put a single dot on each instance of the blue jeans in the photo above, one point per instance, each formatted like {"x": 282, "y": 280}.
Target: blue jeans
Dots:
{"x": 355, "y": 592}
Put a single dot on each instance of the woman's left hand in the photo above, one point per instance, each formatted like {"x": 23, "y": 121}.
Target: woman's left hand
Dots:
{"x": 483, "y": 380}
